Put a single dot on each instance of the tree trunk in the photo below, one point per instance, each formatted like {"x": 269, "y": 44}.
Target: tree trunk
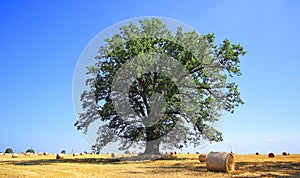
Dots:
{"x": 152, "y": 147}
{"x": 153, "y": 141}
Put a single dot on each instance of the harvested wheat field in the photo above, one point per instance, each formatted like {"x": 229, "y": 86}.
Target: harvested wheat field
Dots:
{"x": 186, "y": 165}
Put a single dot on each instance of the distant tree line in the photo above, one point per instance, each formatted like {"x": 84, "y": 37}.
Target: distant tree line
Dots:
{"x": 31, "y": 150}
{"x": 10, "y": 150}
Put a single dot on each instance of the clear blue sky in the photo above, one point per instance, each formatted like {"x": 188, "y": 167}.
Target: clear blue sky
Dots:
{"x": 41, "y": 42}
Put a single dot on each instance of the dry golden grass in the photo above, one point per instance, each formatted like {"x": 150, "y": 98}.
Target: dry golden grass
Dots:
{"x": 186, "y": 165}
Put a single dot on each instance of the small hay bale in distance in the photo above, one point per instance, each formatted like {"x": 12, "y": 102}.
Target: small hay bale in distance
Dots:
{"x": 82, "y": 154}
{"x": 75, "y": 154}
{"x": 271, "y": 155}
{"x": 46, "y": 153}
{"x": 202, "y": 157}
{"x": 40, "y": 154}
{"x": 285, "y": 153}
{"x": 220, "y": 161}
{"x": 257, "y": 153}
{"x": 15, "y": 155}
{"x": 168, "y": 157}
{"x": 1, "y": 154}
{"x": 113, "y": 155}
{"x": 175, "y": 153}
{"x": 27, "y": 154}
{"x": 197, "y": 153}
{"x": 60, "y": 156}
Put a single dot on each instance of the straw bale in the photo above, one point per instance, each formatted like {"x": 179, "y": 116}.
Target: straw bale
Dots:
{"x": 220, "y": 161}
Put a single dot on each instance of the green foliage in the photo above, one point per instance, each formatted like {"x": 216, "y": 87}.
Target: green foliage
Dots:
{"x": 210, "y": 67}
{"x": 30, "y": 150}
{"x": 63, "y": 152}
{"x": 9, "y": 150}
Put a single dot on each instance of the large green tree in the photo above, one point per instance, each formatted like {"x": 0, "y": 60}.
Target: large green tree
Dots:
{"x": 155, "y": 88}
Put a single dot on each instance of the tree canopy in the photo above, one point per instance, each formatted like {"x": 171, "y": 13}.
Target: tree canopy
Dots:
{"x": 9, "y": 150}
{"x": 153, "y": 88}
{"x": 30, "y": 150}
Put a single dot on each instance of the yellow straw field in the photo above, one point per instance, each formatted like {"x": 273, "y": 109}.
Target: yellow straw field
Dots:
{"x": 186, "y": 165}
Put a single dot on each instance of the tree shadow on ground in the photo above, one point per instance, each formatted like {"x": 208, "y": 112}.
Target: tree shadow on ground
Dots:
{"x": 53, "y": 161}
{"x": 120, "y": 160}
{"x": 193, "y": 168}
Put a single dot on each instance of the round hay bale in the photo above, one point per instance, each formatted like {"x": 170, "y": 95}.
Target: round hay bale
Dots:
{"x": 171, "y": 153}
{"x": 257, "y": 153}
{"x": 113, "y": 155}
{"x": 46, "y": 153}
{"x": 27, "y": 154}
{"x": 82, "y": 153}
{"x": 271, "y": 155}
{"x": 220, "y": 161}
{"x": 15, "y": 155}
{"x": 60, "y": 156}
{"x": 75, "y": 154}
{"x": 285, "y": 153}
{"x": 168, "y": 157}
{"x": 175, "y": 153}
{"x": 197, "y": 152}
{"x": 1, "y": 154}
{"x": 40, "y": 154}
{"x": 202, "y": 157}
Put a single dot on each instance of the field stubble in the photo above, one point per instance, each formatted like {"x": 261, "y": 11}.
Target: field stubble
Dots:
{"x": 187, "y": 165}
